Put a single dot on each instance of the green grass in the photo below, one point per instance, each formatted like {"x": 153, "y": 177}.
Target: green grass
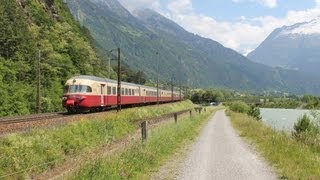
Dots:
{"x": 291, "y": 158}
{"x": 139, "y": 160}
{"x": 41, "y": 149}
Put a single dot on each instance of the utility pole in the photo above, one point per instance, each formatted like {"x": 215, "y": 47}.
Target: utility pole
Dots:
{"x": 38, "y": 104}
{"x": 185, "y": 92}
{"x": 180, "y": 90}
{"x": 119, "y": 83}
{"x": 109, "y": 68}
{"x": 157, "y": 78}
{"x": 172, "y": 88}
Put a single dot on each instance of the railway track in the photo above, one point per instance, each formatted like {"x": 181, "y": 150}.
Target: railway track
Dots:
{"x": 26, "y": 123}
{"x": 29, "y": 118}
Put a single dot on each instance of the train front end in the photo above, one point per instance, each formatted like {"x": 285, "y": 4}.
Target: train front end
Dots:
{"x": 76, "y": 96}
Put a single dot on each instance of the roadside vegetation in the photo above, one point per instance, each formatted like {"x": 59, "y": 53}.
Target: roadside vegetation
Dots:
{"x": 294, "y": 156}
{"x": 41, "y": 149}
{"x": 242, "y": 107}
{"x": 307, "y": 131}
{"x": 139, "y": 160}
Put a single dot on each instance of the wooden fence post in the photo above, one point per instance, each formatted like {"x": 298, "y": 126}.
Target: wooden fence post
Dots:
{"x": 190, "y": 113}
{"x": 144, "y": 131}
{"x": 175, "y": 118}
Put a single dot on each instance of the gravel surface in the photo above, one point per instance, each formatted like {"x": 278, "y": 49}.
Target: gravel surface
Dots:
{"x": 219, "y": 153}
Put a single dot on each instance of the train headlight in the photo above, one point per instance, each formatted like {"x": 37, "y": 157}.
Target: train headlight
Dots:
{"x": 64, "y": 98}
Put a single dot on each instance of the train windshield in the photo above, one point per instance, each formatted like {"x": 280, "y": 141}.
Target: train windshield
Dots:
{"x": 78, "y": 89}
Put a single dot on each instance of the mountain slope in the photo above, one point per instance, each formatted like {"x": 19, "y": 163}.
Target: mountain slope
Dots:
{"x": 27, "y": 27}
{"x": 293, "y": 47}
{"x": 149, "y": 37}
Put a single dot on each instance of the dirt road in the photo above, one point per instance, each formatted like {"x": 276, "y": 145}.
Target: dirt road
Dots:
{"x": 220, "y": 153}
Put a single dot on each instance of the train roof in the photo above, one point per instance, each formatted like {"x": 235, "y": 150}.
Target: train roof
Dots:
{"x": 95, "y": 78}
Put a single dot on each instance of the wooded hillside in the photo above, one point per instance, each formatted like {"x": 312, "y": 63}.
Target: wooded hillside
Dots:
{"x": 45, "y": 26}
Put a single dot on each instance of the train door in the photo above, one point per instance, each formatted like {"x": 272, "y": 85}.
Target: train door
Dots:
{"x": 144, "y": 95}
{"x": 140, "y": 98}
{"x": 102, "y": 94}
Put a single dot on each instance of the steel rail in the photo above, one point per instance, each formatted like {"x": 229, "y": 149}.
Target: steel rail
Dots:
{"x": 29, "y": 118}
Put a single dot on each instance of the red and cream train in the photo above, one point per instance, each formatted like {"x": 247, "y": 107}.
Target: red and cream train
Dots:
{"x": 90, "y": 93}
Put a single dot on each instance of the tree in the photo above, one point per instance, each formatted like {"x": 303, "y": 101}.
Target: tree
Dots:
{"x": 254, "y": 112}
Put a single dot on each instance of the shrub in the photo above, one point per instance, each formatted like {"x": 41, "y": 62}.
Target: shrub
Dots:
{"x": 302, "y": 125}
{"x": 254, "y": 112}
{"x": 308, "y": 131}
{"x": 239, "y": 106}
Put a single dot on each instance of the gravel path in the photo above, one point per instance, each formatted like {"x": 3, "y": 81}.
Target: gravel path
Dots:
{"x": 219, "y": 153}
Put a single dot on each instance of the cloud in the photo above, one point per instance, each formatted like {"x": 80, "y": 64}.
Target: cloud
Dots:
{"x": 268, "y": 3}
{"x": 245, "y": 34}
{"x": 240, "y": 36}
{"x": 136, "y": 4}
{"x": 180, "y": 6}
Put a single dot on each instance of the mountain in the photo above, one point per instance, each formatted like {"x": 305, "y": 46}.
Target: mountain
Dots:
{"x": 292, "y": 47}
{"x": 45, "y": 31}
{"x": 148, "y": 38}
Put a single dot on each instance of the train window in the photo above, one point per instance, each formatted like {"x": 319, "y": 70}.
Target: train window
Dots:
{"x": 114, "y": 90}
{"x": 79, "y": 89}
{"x": 126, "y": 91}
{"x": 109, "y": 90}
{"x": 122, "y": 91}
{"x": 129, "y": 92}
{"x": 86, "y": 89}
{"x": 133, "y": 92}
{"x": 73, "y": 89}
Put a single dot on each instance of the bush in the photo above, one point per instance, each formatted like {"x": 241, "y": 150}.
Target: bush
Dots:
{"x": 239, "y": 106}
{"x": 302, "y": 125}
{"x": 254, "y": 112}
{"x": 308, "y": 131}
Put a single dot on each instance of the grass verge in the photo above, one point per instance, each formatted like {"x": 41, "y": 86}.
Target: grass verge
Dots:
{"x": 292, "y": 159}
{"x": 141, "y": 159}
{"x": 41, "y": 149}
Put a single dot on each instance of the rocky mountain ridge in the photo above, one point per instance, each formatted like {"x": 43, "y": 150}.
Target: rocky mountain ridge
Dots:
{"x": 292, "y": 47}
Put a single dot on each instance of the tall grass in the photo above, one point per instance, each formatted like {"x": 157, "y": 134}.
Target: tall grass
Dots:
{"x": 42, "y": 149}
{"x": 308, "y": 131}
{"x": 293, "y": 159}
{"x": 140, "y": 159}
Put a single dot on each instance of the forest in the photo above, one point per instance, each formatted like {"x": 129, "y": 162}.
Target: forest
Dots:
{"x": 39, "y": 38}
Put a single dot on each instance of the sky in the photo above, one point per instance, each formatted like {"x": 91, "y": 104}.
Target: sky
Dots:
{"x": 238, "y": 24}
